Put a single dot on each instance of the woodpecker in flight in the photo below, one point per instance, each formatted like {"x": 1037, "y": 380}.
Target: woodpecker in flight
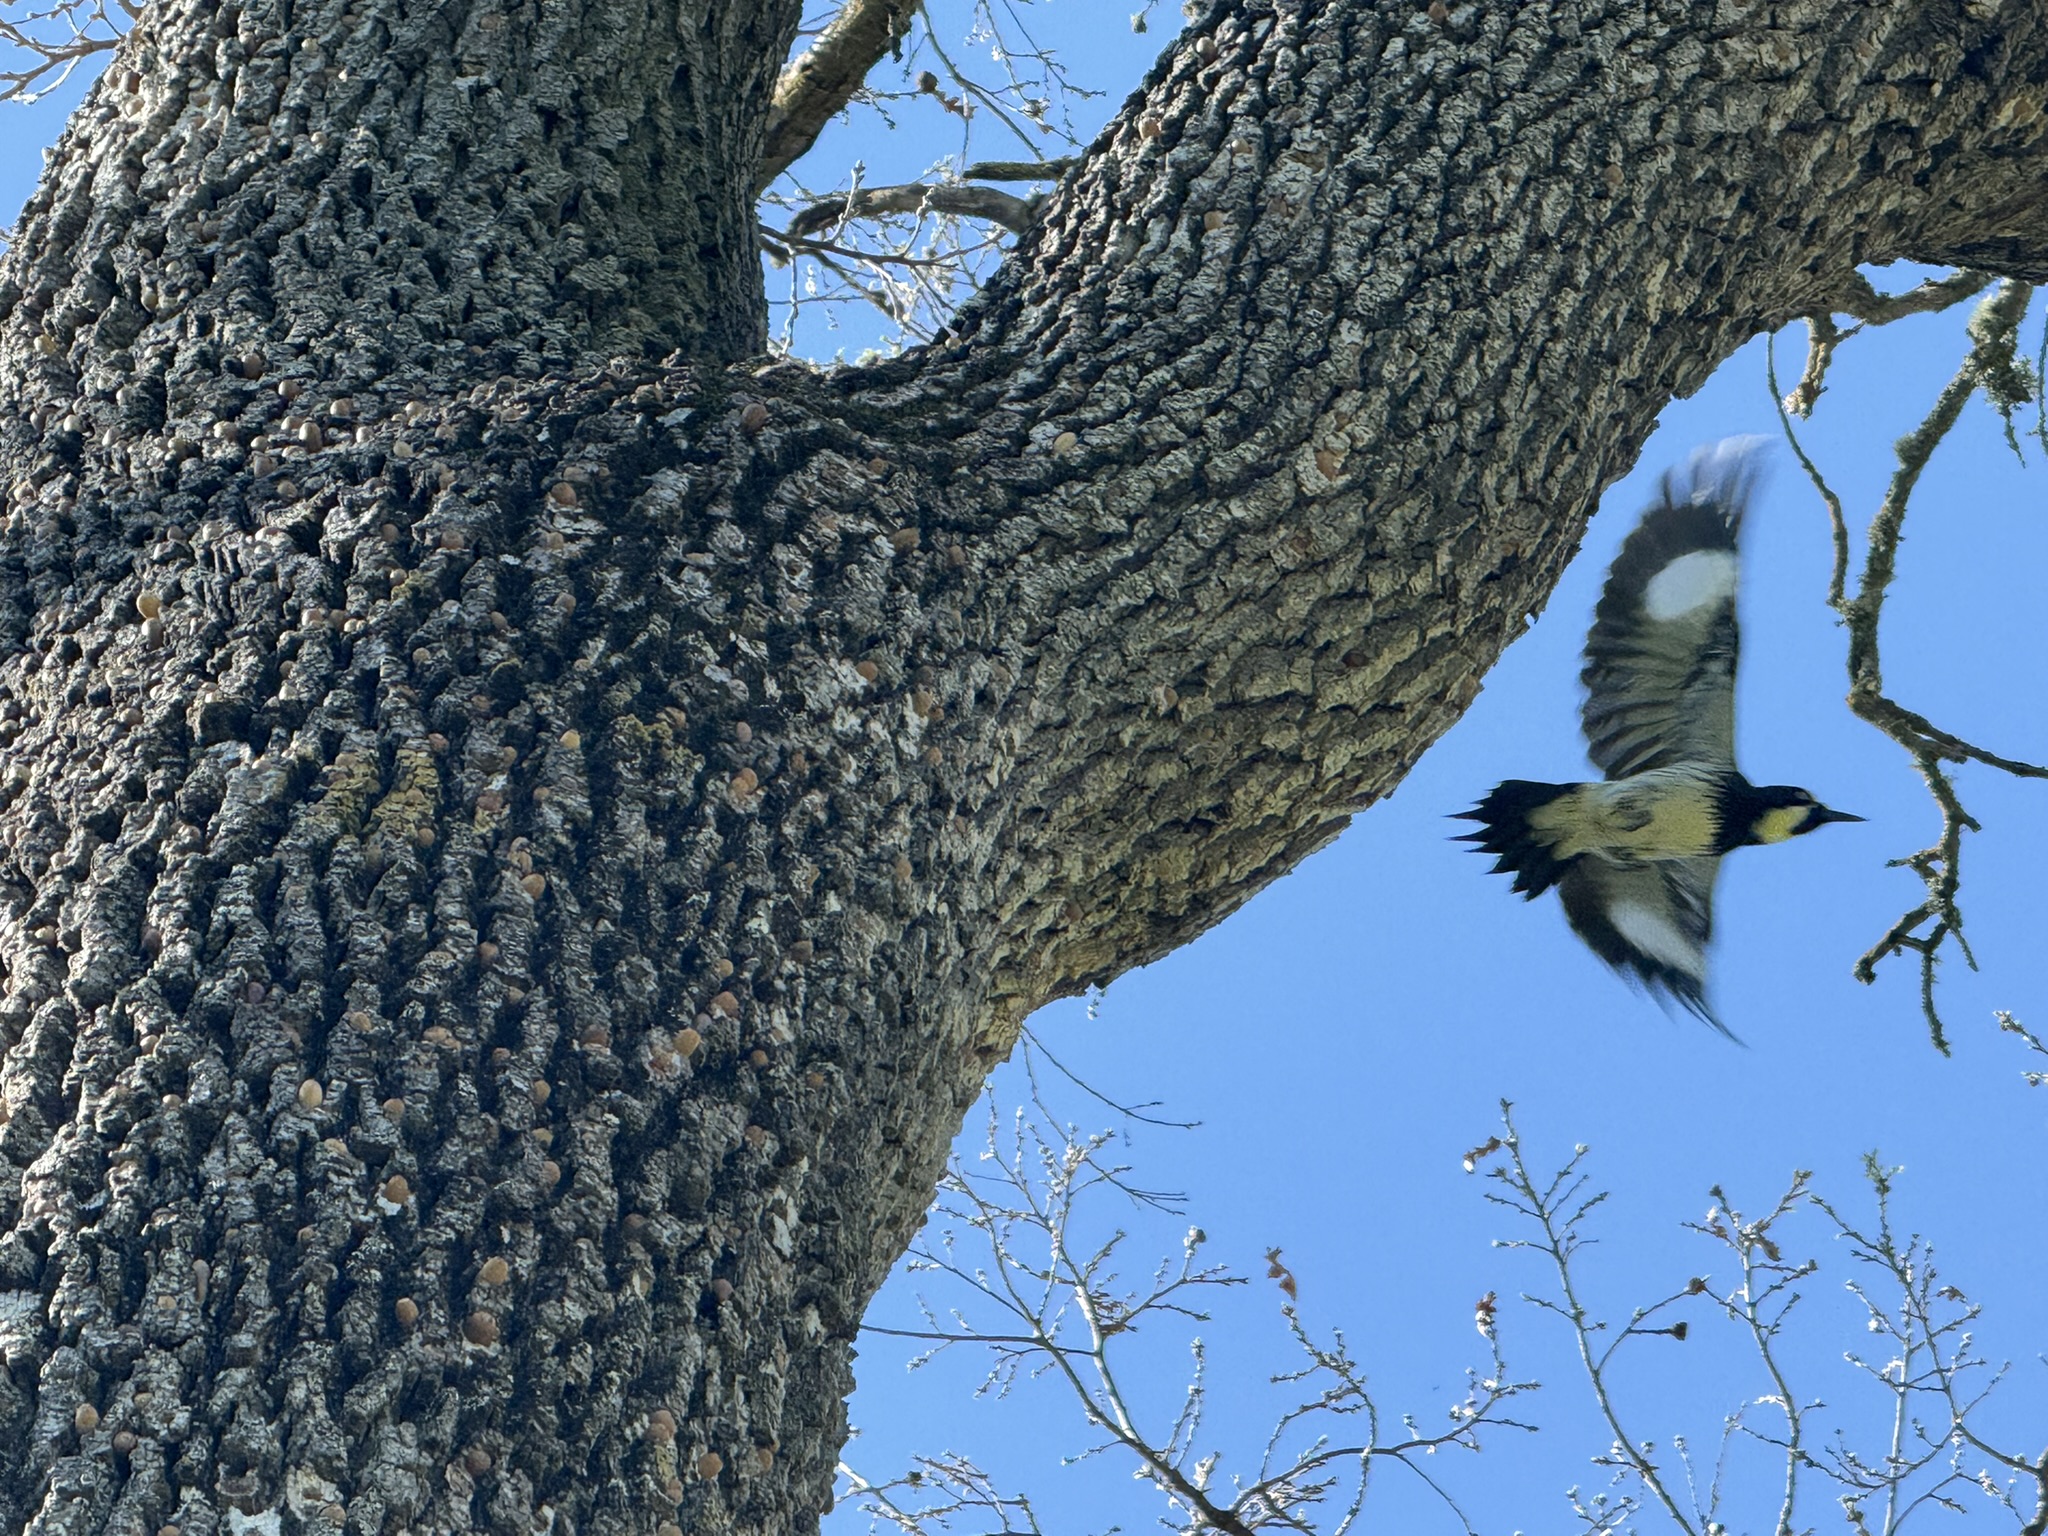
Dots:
{"x": 1634, "y": 858}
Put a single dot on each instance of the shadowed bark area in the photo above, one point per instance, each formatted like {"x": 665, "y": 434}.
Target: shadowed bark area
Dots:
{"x": 516, "y": 851}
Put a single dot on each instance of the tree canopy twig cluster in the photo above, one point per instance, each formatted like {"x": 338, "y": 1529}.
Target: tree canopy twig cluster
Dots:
{"x": 1023, "y": 1282}
{"x": 1018, "y": 1240}
{"x": 1931, "y": 1380}
{"x": 912, "y": 250}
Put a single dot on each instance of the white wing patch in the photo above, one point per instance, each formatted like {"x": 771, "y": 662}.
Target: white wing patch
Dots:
{"x": 1690, "y": 583}
{"x": 1654, "y": 934}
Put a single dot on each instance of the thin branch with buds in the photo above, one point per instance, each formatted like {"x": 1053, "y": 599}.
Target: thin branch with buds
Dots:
{"x": 2012, "y": 1026}
{"x": 1926, "y": 1461}
{"x": 1926, "y": 1326}
{"x": 1558, "y": 1207}
{"x": 935, "y": 1489}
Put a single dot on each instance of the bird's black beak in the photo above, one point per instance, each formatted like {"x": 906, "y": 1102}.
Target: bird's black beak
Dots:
{"x": 1822, "y": 816}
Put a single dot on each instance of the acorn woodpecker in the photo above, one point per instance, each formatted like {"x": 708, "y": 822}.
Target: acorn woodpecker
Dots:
{"x": 1634, "y": 858}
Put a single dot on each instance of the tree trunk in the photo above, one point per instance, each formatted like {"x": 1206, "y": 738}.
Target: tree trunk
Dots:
{"x": 523, "y": 833}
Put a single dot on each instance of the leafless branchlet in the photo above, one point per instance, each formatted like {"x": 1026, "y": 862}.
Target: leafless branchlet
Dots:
{"x": 933, "y": 1493}
{"x": 41, "y": 45}
{"x": 2032, "y": 1041}
{"x": 1994, "y": 367}
{"x": 1936, "y": 1380}
{"x": 1018, "y": 1238}
{"x": 1930, "y": 1379}
{"x": 1862, "y": 302}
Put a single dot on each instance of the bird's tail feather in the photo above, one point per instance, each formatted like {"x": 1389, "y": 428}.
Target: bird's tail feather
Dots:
{"x": 1505, "y": 831}
{"x": 1722, "y": 475}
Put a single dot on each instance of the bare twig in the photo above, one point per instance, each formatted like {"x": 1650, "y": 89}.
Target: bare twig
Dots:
{"x": 1994, "y": 368}
{"x": 56, "y": 40}
{"x": 1838, "y": 527}
{"x": 1030, "y": 111}
{"x": 935, "y": 1489}
{"x": 2035, "y": 1043}
{"x": 1035, "y": 1048}
{"x": 1761, "y": 1304}
{"x": 1558, "y": 1206}
{"x": 1926, "y": 1327}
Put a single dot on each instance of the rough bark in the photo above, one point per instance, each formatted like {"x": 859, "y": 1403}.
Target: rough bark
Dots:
{"x": 513, "y": 858}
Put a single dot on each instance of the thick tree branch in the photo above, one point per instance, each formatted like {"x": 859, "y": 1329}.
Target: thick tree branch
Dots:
{"x": 1860, "y": 301}
{"x": 821, "y": 80}
{"x": 1012, "y": 213}
{"x": 1019, "y": 170}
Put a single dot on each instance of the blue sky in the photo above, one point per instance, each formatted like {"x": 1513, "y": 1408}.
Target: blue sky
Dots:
{"x": 1348, "y": 1035}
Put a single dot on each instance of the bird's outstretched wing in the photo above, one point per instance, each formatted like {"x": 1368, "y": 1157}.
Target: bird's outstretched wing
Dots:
{"x": 1660, "y": 659}
{"x": 1650, "y": 921}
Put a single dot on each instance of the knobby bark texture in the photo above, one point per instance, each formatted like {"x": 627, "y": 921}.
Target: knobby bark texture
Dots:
{"x": 521, "y": 830}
